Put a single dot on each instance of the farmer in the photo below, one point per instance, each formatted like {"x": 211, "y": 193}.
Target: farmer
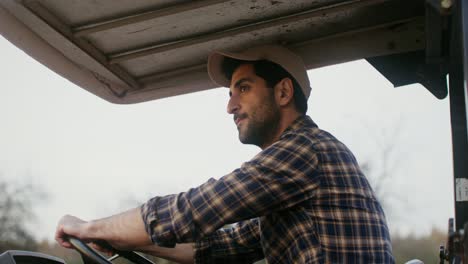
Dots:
{"x": 301, "y": 199}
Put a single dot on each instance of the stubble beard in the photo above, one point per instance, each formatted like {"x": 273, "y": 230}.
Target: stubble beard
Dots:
{"x": 262, "y": 124}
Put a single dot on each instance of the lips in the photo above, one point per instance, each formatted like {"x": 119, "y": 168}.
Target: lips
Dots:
{"x": 239, "y": 118}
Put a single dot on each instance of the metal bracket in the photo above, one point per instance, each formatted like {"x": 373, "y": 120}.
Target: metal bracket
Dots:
{"x": 444, "y": 7}
{"x": 457, "y": 245}
{"x": 438, "y": 13}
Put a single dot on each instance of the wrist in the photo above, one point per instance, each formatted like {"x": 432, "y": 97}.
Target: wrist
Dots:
{"x": 92, "y": 230}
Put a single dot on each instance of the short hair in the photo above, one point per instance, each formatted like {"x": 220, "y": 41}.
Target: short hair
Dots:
{"x": 272, "y": 73}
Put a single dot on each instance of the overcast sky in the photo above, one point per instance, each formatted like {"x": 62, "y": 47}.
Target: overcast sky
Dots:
{"x": 92, "y": 157}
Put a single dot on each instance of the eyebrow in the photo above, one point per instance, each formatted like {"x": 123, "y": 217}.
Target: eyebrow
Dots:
{"x": 239, "y": 82}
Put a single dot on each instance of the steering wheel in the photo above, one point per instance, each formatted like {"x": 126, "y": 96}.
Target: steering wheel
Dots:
{"x": 90, "y": 255}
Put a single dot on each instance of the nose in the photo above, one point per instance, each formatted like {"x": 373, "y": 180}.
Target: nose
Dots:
{"x": 233, "y": 105}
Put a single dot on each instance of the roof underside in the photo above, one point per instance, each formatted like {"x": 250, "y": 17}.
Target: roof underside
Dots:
{"x": 140, "y": 50}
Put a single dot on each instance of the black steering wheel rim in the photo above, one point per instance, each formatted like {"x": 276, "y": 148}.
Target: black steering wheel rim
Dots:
{"x": 92, "y": 255}
{"x": 87, "y": 252}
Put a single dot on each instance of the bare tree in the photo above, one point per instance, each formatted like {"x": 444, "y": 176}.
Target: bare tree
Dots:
{"x": 384, "y": 165}
{"x": 16, "y": 212}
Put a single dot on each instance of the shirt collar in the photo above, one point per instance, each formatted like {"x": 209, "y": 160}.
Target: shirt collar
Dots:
{"x": 303, "y": 121}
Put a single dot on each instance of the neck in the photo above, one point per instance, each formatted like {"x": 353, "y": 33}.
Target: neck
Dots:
{"x": 286, "y": 119}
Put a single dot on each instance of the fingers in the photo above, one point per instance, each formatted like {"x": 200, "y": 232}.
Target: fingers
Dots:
{"x": 62, "y": 238}
{"x": 105, "y": 249}
{"x": 69, "y": 226}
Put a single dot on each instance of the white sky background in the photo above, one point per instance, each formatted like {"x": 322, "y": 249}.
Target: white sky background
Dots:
{"x": 91, "y": 157}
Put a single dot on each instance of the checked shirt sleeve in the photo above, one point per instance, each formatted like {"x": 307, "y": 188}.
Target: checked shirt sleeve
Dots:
{"x": 239, "y": 243}
{"x": 279, "y": 177}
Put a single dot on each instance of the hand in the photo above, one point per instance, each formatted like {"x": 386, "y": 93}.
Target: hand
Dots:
{"x": 70, "y": 226}
{"x": 124, "y": 231}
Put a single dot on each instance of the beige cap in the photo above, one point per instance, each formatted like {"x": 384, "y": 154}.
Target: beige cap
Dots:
{"x": 277, "y": 54}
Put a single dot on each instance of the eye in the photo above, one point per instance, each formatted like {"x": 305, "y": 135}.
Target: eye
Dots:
{"x": 243, "y": 88}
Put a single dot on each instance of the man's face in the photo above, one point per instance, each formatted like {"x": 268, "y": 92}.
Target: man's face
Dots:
{"x": 253, "y": 105}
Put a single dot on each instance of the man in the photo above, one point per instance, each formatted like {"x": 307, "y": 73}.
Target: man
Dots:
{"x": 302, "y": 199}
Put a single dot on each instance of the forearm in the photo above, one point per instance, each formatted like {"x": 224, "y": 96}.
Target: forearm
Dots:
{"x": 123, "y": 231}
{"x": 181, "y": 253}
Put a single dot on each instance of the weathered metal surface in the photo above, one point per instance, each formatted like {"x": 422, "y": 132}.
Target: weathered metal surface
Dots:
{"x": 144, "y": 50}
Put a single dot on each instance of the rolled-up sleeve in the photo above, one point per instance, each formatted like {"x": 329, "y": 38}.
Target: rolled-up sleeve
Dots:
{"x": 239, "y": 243}
{"x": 277, "y": 178}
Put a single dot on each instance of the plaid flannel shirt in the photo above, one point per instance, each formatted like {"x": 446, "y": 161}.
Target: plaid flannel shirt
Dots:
{"x": 301, "y": 200}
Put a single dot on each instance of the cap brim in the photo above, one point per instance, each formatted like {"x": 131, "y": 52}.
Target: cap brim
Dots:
{"x": 215, "y": 66}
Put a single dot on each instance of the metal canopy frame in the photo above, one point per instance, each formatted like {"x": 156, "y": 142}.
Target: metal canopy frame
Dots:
{"x": 282, "y": 20}
{"x": 458, "y": 77}
{"x": 75, "y": 34}
{"x": 169, "y": 66}
{"x": 102, "y": 25}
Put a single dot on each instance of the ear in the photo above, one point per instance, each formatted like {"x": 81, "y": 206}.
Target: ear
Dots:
{"x": 284, "y": 92}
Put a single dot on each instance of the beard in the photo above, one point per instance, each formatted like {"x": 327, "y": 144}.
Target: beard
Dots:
{"x": 262, "y": 124}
